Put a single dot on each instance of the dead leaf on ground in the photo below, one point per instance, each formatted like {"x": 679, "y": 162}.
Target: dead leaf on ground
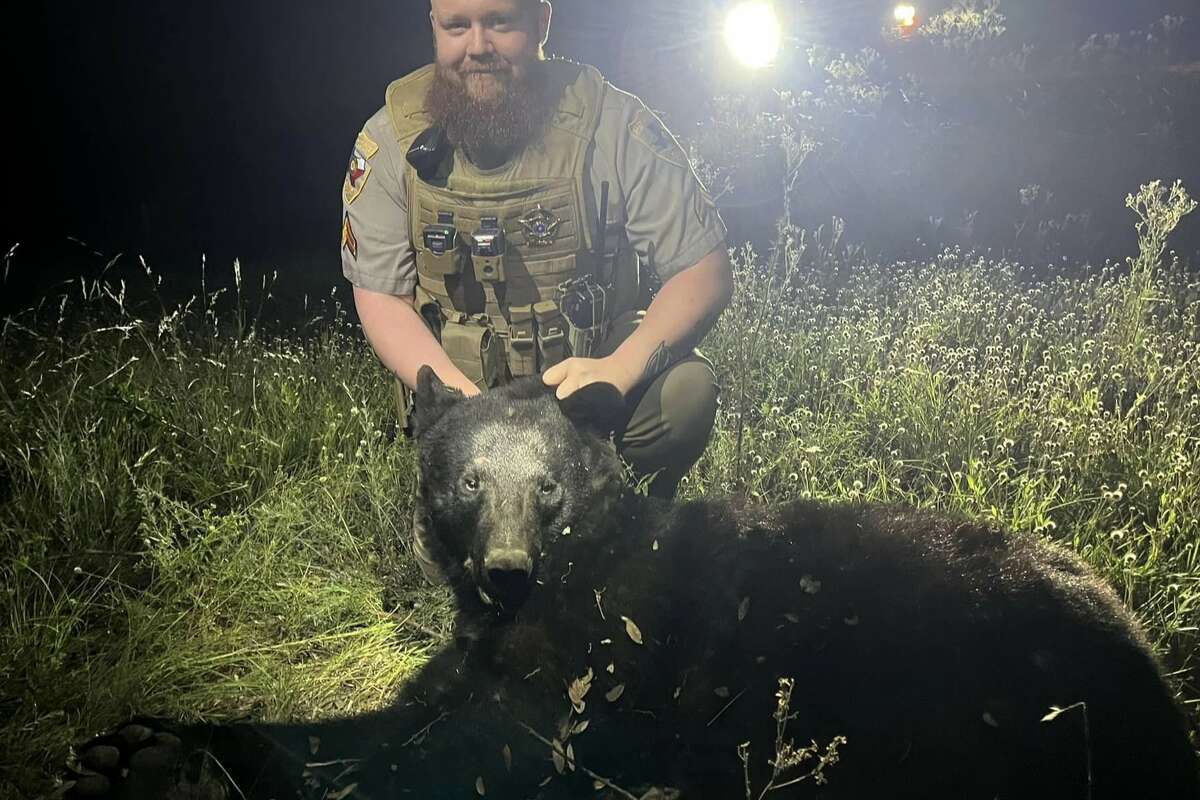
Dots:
{"x": 560, "y": 761}
{"x": 507, "y": 753}
{"x": 612, "y": 668}
{"x": 631, "y": 628}
{"x": 809, "y": 584}
{"x": 744, "y": 608}
{"x": 721, "y": 692}
{"x": 579, "y": 727}
{"x": 479, "y": 788}
{"x": 314, "y": 744}
{"x": 571, "y": 757}
{"x": 614, "y": 694}
{"x": 578, "y": 690}
{"x": 341, "y": 794}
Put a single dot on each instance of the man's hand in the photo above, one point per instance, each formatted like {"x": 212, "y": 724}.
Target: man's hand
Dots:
{"x": 686, "y": 307}
{"x": 403, "y": 341}
{"x": 573, "y": 374}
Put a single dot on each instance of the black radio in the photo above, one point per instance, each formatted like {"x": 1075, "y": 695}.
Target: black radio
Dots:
{"x": 582, "y": 303}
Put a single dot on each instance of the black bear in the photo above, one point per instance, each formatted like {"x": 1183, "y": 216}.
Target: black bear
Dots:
{"x": 610, "y": 645}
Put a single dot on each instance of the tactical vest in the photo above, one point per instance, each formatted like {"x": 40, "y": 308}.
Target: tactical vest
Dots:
{"x": 499, "y": 316}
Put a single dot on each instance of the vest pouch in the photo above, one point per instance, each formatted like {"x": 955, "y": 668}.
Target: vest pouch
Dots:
{"x": 522, "y": 346}
{"x": 473, "y": 347}
{"x": 489, "y": 269}
{"x": 551, "y": 333}
{"x": 448, "y": 263}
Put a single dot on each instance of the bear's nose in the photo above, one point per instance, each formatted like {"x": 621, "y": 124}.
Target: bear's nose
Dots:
{"x": 508, "y": 569}
{"x": 513, "y": 560}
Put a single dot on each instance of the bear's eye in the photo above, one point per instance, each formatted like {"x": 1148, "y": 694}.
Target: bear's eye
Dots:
{"x": 549, "y": 487}
{"x": 471, "y": 484}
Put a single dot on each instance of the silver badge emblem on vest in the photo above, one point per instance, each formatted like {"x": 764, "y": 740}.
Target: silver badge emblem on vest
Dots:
{"x": 540, "y": 226}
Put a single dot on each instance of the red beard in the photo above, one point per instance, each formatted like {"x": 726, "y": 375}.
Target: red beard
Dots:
{"x": 490, "y": 131}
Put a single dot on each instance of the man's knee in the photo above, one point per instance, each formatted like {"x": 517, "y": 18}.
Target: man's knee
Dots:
{"x": 689, "y": 405}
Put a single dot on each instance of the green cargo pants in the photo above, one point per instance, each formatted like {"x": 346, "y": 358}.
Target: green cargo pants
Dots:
{"x": 670, "y": 421}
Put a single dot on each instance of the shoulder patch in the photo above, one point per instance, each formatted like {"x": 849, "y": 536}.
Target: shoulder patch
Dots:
{"x": 648, "y": 129}
{"x": 356, "y": 174}
{"x": 366, "y": 145}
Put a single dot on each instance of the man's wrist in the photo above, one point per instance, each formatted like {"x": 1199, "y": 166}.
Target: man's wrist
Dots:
{"x": 637, "y": 360}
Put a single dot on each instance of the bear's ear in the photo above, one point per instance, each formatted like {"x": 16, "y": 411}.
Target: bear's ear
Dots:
{"x": 433, "y": 399}
{"x": 597, "y": 408}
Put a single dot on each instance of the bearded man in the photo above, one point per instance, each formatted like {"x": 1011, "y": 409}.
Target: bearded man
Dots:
{"x": 500, "y": 213}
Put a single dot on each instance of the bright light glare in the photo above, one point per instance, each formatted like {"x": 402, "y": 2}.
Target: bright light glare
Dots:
{"x": 906, "y": 16}
{"x": 753, "y": 34}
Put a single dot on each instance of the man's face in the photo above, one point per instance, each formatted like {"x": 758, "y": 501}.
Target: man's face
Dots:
{"x": 487, "y": 46}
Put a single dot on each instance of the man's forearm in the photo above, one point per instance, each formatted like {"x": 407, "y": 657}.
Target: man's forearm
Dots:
{"x": 403, "y": 342}
{"x": 684, "y": 310}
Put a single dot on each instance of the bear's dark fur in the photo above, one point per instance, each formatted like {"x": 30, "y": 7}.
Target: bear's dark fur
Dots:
{"x": 935, "y": 646}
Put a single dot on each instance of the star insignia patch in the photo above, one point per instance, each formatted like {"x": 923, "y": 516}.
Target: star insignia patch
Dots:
{"x": 540, "y": 226}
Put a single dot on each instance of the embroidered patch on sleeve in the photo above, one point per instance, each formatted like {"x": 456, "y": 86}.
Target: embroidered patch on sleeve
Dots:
{"x": 349, "y": 240}
{"x": 356, "y": 176}
{"x": 366, "y": 145}
{"x": 650, "y": 131}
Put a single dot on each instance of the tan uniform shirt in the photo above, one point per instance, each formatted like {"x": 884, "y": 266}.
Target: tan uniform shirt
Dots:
{"x": 654, "y": 195}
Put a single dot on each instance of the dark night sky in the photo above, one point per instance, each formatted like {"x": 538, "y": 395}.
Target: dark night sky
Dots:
{"x": 176, "y": 128}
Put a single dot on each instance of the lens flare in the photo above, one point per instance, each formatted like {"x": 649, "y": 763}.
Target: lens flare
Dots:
{"x": 753, "y": 34}
{"x": 906, "y": 16}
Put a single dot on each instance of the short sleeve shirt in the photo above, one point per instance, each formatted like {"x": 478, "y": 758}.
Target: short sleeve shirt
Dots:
{"x": 654, "y": 194}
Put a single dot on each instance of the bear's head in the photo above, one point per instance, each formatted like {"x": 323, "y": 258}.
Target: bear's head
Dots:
{"x": 505, "y": 473}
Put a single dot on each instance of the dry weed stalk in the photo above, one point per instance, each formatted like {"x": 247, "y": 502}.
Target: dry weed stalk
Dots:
{"x": 788, "y": 757}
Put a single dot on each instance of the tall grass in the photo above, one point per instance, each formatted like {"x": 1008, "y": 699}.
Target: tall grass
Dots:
{"x": 194, "y": 516}
{"x": 199, "y": 517}
{"x": 1063, "y": 405}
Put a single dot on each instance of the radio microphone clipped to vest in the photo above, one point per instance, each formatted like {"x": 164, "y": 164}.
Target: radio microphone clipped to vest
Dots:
{"x": 428, "y": 151}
